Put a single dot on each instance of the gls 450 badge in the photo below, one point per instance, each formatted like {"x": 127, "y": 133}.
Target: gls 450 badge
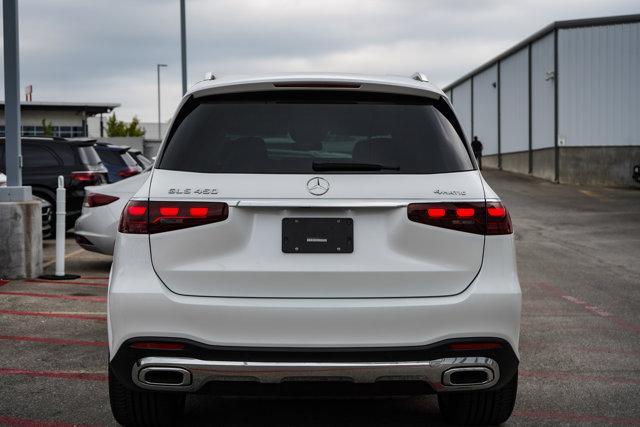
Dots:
{"x": 198, "y": 191}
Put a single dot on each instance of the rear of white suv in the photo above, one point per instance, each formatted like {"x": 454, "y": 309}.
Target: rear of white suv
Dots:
{"x": 314, "y": 235}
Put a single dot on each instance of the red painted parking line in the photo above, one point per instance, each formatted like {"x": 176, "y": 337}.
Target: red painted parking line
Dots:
{"x": 69, "y": 297}
{"x": 25, "y": 422}
{"x": 591, "y": 308}
{"x": 84, "y": 376}
{"x": 63, "y": 282}
{"x": 57, "y": 341}
{"x": 4, "y": 282}
{"x": 51, "y": 314}
{"x": 578, "y": 418}
{"x": 566, "y": 376}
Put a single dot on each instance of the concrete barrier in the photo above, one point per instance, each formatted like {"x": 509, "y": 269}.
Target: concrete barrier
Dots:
{"x": 21, "y": 234}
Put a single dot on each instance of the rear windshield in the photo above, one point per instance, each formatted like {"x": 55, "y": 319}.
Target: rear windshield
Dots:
{"x": 128, "y": 159}
{"x": 116, "y": 157}
{"x": 303, "y": 133}
{"x": 142, "y": 161}
{"x": 88, "y": 156}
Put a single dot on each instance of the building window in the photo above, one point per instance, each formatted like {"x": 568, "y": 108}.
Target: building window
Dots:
{"x": 58, "y": 131}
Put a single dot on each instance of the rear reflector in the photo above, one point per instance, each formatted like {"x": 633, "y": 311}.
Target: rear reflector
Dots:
{"x": 475, "y": 346}
{"x": 157, "y": 345}
{"x": 96, "y": 199}
{"x": 143, "y": 217}
{"x": 489, "y": 218}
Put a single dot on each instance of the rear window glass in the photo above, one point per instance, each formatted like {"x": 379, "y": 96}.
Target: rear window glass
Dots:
{"x": 111, "y": 157}
{"x": 128, "y": 160}
{"x": 88, "y": 156}
{"x": 143, "y": 161}
{"x": 296, "y": 132}
{"x": 66, "y": 153}
{"x": 35, "y": 156}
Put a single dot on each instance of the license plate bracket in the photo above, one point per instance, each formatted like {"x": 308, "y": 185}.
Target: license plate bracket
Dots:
{"x": 317, "y": 235}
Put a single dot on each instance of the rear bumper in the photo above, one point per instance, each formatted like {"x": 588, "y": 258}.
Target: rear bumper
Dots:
{"x": 197, "y": 367}
{"x": 230, "y": 340}
{"x": 98, "y": 227}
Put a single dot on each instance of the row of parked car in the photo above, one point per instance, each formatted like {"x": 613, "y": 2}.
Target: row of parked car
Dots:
{"x": 82, "y": 162}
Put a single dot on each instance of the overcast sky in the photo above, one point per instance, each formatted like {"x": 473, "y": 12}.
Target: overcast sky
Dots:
{"x": 106, "y": 51}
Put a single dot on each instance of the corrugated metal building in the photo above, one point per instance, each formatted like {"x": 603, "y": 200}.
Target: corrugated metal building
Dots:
{"x": 563, "y": 105}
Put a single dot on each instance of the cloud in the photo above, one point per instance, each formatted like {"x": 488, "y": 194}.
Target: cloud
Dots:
{"x": 91, "y": 50}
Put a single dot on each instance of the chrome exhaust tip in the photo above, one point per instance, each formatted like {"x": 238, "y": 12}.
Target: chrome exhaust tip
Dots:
{"x": 467, "y": 376}
{"x": 169, "y": 376}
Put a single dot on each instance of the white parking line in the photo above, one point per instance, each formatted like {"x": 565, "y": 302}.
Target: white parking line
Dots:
{"x": 48, "y": 263}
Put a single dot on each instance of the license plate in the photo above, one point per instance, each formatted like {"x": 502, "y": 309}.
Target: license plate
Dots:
{"x": 317, "y": 235}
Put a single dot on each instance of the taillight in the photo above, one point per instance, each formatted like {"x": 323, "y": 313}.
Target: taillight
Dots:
{"x": 498, "y": 219}
{"x": 143, "y": 217}
{"x": 128, "y": 171}
{"x": 97, "y": 199}
{"x": 489, "y": 218}
{"x": 85, "y": 177}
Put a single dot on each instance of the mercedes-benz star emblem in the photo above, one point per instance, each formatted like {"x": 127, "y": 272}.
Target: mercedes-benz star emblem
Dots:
{"x": 318, "y": 186}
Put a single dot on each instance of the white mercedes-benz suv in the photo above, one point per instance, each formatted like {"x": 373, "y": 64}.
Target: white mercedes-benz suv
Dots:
{"x": 316, "y": 235}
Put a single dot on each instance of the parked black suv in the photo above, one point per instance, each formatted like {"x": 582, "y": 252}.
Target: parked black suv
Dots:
{"x": 44, "y": 159}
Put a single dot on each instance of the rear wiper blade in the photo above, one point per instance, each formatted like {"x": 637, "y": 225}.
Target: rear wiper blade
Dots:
{"x": 345, "y": 166}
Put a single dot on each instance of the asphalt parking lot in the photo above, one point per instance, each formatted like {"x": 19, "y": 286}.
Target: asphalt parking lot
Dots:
{"x": 578, "y": 259}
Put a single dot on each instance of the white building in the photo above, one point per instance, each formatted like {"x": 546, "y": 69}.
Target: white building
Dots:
{"x": 69, "y": 119}
{"x": 563, "y": 104}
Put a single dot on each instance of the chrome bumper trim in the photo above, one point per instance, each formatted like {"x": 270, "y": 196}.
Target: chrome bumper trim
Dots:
{"x": 201, "y": 372}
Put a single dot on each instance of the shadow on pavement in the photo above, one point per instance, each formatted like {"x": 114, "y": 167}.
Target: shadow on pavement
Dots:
{"x": 418, "y": 411}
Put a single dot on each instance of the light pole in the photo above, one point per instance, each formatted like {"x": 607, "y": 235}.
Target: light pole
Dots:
{"x": 13, "y": 155}
{"x": 183, "y": 45}
{"x": 159, "y": 118}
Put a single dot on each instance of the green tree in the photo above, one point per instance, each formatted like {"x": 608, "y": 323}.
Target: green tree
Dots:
{"x": 134, "y": 128}
{"x": 117, "y": 127}
{"x": 47, "y": 128}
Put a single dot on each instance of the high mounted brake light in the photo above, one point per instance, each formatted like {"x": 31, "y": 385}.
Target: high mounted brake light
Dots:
{"x": 318, "y": 85}
{"x": 144, "y": 217}
{"x": 489, "y": 218}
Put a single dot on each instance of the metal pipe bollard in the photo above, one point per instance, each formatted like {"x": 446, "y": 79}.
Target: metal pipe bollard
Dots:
{"x": 61, "y": 224}
{"x": 61, "y": 229}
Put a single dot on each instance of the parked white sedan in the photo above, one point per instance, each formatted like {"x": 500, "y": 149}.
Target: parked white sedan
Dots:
{"x": 96, "y": 228}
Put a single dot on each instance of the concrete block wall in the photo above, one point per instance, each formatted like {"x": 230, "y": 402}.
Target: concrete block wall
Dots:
{"x": 21, "y": 231}
{"x": 605, "y": 166}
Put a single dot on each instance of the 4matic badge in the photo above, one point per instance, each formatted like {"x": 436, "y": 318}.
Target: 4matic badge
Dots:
{"x": 450, "y": 192}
